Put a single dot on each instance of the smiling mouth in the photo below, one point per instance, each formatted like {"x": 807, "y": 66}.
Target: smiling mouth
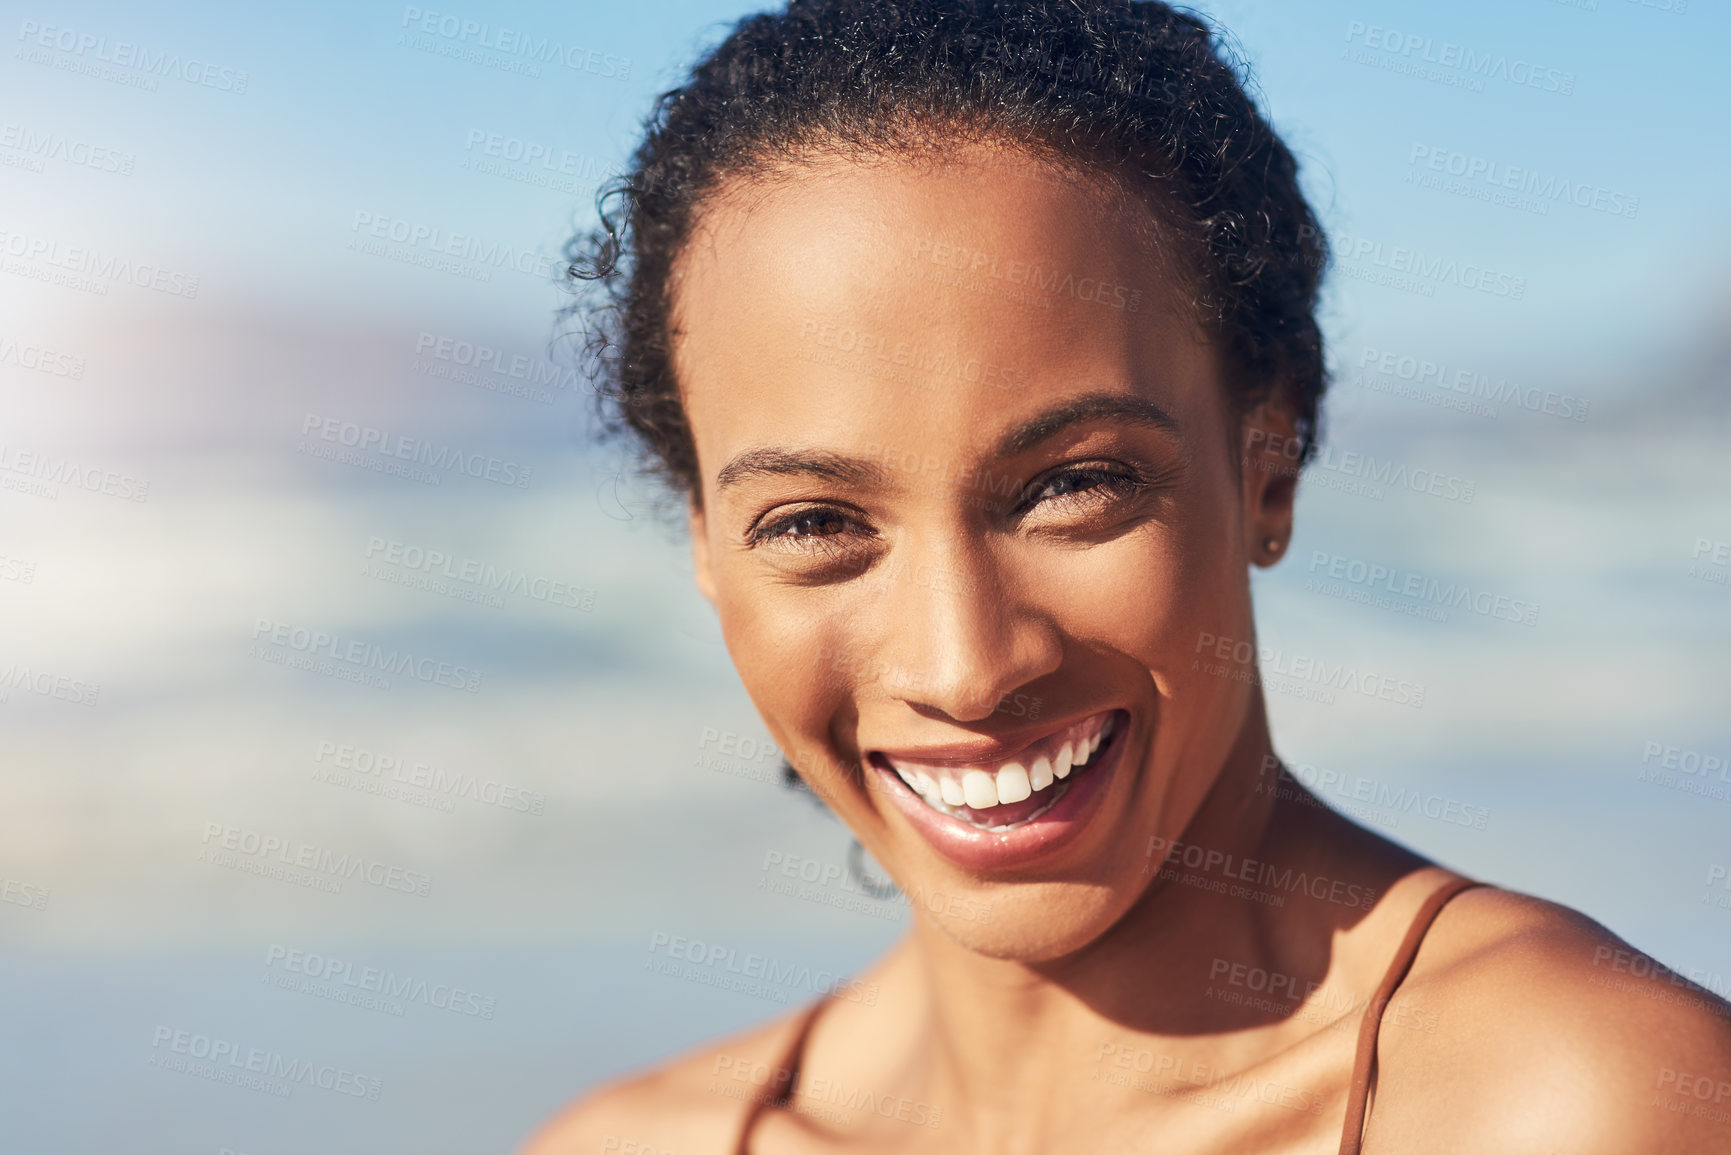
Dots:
{"x": 1012, "y": 793}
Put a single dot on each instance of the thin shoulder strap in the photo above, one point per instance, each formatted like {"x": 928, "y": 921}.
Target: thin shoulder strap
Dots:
{"x": 1364, "y": 1063}
{"x": 785, "y": 1079}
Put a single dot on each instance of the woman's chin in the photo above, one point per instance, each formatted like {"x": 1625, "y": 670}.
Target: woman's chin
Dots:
{"x": 1031, "y": 922}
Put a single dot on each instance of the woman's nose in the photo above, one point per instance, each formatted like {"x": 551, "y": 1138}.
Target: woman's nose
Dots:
{"x": 957, "y": 634}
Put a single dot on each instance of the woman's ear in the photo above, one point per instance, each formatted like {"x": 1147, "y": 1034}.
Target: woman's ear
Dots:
{"x": 698, "y": 527}
{"x": 1268, "y": 470}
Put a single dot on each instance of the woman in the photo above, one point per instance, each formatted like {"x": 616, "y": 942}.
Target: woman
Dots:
{"x": 980, "y": 340}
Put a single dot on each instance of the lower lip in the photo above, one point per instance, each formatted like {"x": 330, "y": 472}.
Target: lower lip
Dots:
{"x": 972, "y": 848}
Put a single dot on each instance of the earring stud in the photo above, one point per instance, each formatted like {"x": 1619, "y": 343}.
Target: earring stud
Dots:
{"x": 1272, "y": 545}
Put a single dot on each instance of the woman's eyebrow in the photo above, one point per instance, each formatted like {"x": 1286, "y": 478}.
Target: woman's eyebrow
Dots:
{"x": 1088, "y": 407}
{"x": 804, "y": 462}
{"x": 768, "y": 461}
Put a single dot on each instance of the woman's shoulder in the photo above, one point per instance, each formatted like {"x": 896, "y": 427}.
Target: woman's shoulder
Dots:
{"x": 1530, "y": 1019}
{"x": 692, "y": 1102}
{"x": 1502, "y": 956}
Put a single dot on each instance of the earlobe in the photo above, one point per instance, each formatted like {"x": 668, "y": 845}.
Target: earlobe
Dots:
{"x": 698, "y": 527}
{"x": 1272, "y": 450}
{"x": 1279, "y": 494}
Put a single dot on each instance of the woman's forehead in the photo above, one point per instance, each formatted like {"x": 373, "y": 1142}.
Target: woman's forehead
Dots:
{"x": 868, "y": 299}
{"x": 835, "y": 228}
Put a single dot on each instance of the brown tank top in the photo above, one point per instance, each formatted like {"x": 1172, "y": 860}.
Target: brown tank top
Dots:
{"x": 1363, "y": 1064}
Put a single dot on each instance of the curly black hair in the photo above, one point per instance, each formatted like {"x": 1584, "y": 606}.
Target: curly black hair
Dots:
{"x": 1136, "y": 96}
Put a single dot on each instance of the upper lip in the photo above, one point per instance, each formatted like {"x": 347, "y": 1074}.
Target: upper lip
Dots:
{"x": 983, "y": 751}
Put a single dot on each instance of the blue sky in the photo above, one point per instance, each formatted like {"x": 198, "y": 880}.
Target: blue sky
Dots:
{"x": 338, "y": 110}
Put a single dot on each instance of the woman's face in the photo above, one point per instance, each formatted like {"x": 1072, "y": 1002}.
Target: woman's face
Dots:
{"x": 975, "y": 520}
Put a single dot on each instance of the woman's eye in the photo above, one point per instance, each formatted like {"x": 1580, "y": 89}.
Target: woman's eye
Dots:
{"x": 819, "y": 523}
{"x": 1065, "y": 484}
{"x": 1089, "y": 484}
{"x": 806, "y": 526}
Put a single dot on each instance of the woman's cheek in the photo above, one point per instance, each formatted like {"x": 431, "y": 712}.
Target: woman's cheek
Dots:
{"x": 793, "y": 658}
{"x": 1139, "y": 595}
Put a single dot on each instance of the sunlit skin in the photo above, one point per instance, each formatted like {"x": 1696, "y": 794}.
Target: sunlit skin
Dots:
{"x": 882, "y": 587}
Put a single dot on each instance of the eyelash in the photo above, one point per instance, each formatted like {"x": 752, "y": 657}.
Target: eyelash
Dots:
{"x": 1123, "y": 483}
{"x": 763, "y": 533}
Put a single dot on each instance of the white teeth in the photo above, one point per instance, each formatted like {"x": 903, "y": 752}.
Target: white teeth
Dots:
{"x": 979, "y": 789}
{"x": 1013, "y": 785}
{"x": 1087, "y": 754}
{"x": 1066, "y": 759}
{"x": 1012, "y": 782}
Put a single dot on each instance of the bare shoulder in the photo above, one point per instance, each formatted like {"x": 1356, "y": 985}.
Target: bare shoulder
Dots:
{"x": 1539, "y": 1030}
{"x": 680, "y": 1107}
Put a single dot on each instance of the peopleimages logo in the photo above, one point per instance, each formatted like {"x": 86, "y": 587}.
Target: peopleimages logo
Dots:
{"x": 1469, "y": 384}
{"x": 473, "y": 363}
{"x": 91, "y": 269}
{"x": 16, "y": 676}
{"x": 1476, "y": 65}
{"x": 1702, "y": 773}
{"x": 971, "y": 262}
{"x": 225, "y": 1061}
{"x": 809, "y": 1096}
{"x": 402, "y": 447}
{"x": 87, "y": 46}
{"x": 1373, "y": 575}
{"x": 1165, "y": 854}
{"x": 42, "y": 146}
{"x": 436, "y": 242}
{"x": 1545, "y": 189}
{"x": 713, "y": 964}
{"x": 1355, "y": 472}
{"x": 878, "y": 355}
{"x": 20, "y": 893}
{"x": 360, "y": 766}
{"x": 343, "y": 981}
{"x": 364, "y": 656}
{"x": 1248, "y": 662}
{"x": 461, "y": 32}
{"x": 1350, "y": 788}
{"x": 46, "y": 469}
{"x": 1710, "y": 561}
{"x": 295, "y": 855}
{"x": 1421, "y": 271}
{"x": 533, "y": 154}
{"x": 17, "y": 569}
{"x": 483, "y": 578}
{"x": 1688, "y": 761}
{"x": 41, "y": 359}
